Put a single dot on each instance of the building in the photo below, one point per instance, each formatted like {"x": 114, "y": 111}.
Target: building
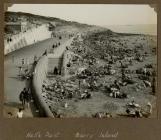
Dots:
{"x": 15, "y": 27}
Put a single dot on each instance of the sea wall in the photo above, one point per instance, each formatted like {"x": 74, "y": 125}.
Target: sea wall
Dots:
{"x": 40, "y": 73}
{"x": 29, "y": 37}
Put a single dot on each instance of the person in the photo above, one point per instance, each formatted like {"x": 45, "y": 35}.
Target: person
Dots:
{"x": 123, "y": 74}
{"x": 26, "y": 71}
{"x": 53, "y": 46}
{"x": 55, "y": 70}
{"x": 66, "y": 105}
{"x": 116, "y": 84}
{"x": 45, "y": 53}
{"x": 138, "y": 114}
{"x": 20, "y": 70}
{"x": 128, "y": 111}
{"x": 22, "y": 98}
{"x": 27, "y": 97}
{"x": 88, "y": 95}
{"x": 20, "y": 113}
{"x": 150, "y": 107}
{"x": 23, "y": 61}
{"x": 60, "y": 72}
{"x": 62, "y": 91}
{"x": 35, "y": 60}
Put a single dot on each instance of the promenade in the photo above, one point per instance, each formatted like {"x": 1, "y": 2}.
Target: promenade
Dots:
{"x": 12, "y": 84}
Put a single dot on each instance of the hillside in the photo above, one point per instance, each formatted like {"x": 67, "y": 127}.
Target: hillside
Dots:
{"x": 17, "y": 16}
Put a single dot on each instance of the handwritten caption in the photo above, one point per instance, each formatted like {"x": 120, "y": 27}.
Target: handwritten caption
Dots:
{"x": 52, "y": 135}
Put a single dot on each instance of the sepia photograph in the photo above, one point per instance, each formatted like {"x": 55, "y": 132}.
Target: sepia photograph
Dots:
{"x": 80, "y": 61}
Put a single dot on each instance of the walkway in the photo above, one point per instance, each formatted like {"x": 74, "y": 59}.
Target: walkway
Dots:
{"x": 12, "y": 85}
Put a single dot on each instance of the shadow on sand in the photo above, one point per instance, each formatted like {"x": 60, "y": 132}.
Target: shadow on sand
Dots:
{"x": 13, "y": 104}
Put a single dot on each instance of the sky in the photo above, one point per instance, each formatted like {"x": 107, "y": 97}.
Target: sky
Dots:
{"x": 94, "y": 14}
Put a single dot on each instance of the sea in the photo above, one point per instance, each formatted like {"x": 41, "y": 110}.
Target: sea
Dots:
{"x": 148, "y": 29}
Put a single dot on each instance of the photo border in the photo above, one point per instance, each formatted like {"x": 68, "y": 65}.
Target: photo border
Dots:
{"x": 127, "y": 128}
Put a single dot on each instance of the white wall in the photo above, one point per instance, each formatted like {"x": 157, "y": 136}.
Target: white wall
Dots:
{"x": 29, "y": 37}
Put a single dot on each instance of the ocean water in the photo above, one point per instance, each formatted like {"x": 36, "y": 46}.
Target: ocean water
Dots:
{"x": 150, "y": 29}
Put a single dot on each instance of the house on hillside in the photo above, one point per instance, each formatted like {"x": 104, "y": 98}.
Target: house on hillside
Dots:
{"x": 15, "y": 27}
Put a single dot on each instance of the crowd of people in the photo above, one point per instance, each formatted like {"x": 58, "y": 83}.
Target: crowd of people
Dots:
{"x": 100, "y": 58}
{"x": 105, "y": 64}
{"x": 25, "y": 97}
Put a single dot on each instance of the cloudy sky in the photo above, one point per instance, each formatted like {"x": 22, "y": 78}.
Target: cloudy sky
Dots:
{"x": 95, "y": 14}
